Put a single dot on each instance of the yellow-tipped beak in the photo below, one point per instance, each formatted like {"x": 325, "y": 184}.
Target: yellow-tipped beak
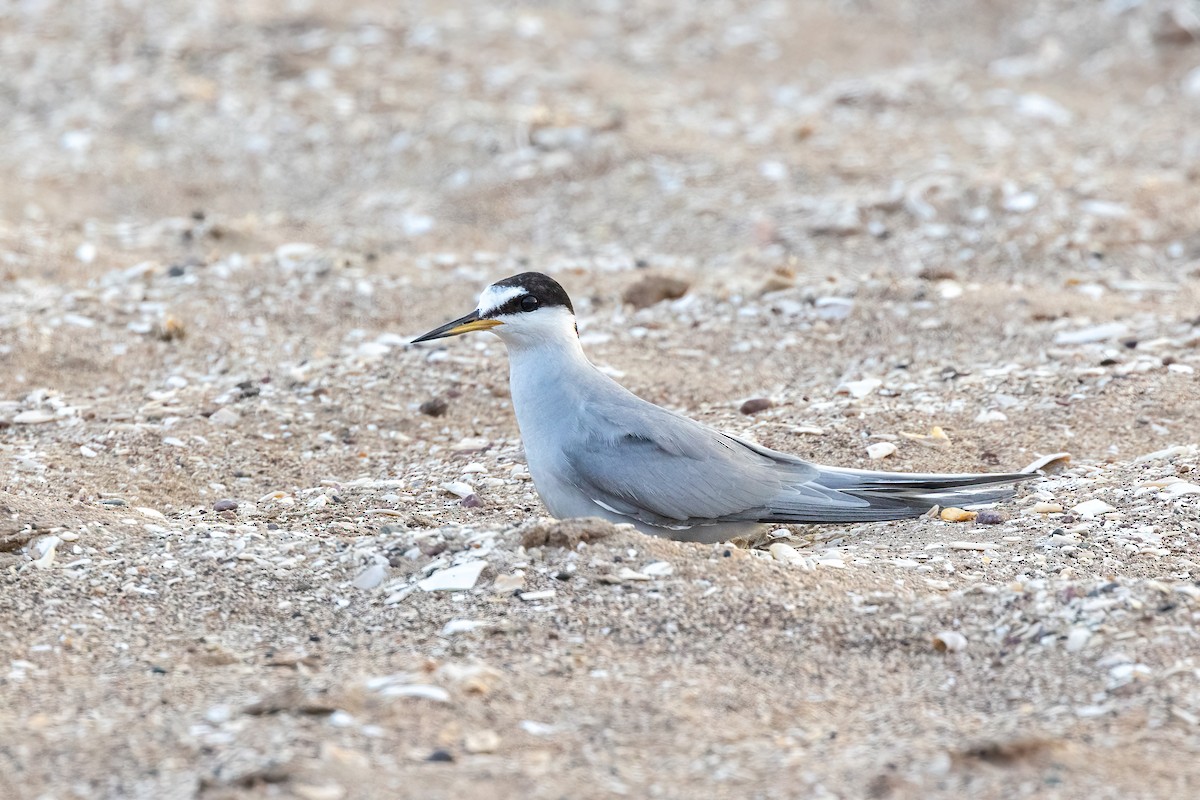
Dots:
{"x": 471, "y": 322}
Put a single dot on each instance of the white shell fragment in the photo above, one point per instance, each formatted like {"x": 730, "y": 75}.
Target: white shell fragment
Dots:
{"x": 949, "y": 642}
{"x": 1077, "y": 639}
{"x": 860, "y": 389}
{"x": 34, "y": 417}
{"x": 1092, "y": 508}
{"x": 457, "y": 626}
{"x": 46, "y": 549}
{"x": 782, "y": 551}
{"x": 1096, "y": 333}
{"x": 1182, "y": 488}
{"x": 225, "y": 418}
{"x": 458, "y": 488}
{"x": 881, "y": 450}
{"x": 422, "y": 691}
{"x": 508, "y": 583}
{"x": 1050, "y": 463}
{"x": 370, "y": 577}
{"x": 454, "y": 579}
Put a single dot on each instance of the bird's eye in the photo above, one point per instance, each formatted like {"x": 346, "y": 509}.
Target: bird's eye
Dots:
{"x": 529, "y": 303}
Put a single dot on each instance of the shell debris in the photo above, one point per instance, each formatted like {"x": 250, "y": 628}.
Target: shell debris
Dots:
{"x": 953, "y": 514}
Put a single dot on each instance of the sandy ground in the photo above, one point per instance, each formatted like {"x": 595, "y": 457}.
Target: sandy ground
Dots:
{"x": 223, "y": 498}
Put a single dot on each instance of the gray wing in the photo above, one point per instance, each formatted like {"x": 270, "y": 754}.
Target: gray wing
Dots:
{"x": 644, "y": 462}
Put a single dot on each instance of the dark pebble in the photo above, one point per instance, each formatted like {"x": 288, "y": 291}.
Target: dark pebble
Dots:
{"x": 443, "y": 756}
{"x": 225, "y": 505}
{"x": 990, "y": 517}
{"x": 471, "y": 501}
{"x": 654, "y": 289}
{"x": 435, "y": 407}
{"x": 756, "y": 405}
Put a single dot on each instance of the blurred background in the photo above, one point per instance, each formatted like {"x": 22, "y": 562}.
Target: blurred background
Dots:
{"x": 863, "y": 134}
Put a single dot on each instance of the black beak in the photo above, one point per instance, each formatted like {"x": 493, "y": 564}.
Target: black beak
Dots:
{"x": 471, "y": 322}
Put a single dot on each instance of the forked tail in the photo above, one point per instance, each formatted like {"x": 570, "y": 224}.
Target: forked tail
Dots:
{"x": 864, "y": 496}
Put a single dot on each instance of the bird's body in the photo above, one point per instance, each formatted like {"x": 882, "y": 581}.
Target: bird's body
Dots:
{"x": 595, "y": 449}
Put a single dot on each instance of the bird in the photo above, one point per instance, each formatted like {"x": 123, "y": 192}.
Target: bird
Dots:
{"x": 595, "y": 449}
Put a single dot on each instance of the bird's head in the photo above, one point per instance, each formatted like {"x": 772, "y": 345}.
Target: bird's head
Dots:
{"x": 523, "y": 310}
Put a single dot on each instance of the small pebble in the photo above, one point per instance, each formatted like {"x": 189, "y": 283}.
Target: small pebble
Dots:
{"x": 434, "y": 407}
{"x": 505, "y": 584}
{"x": 225, "y": 505}
{"x": 225, "y": 418}
{"x": 990, "y": 517}
{"x": 483, "y": 741}
{"x": 756, "y": 405}
{"x": 654, "y": 289}
{"x": 957, "y": 515}
{"x": 1077, "y": 639}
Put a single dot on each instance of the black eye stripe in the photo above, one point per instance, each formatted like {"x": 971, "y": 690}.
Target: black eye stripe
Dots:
{"x": 542, "y": 289}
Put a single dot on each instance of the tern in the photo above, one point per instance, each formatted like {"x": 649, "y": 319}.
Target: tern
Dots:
{"x": 595, "y": 449}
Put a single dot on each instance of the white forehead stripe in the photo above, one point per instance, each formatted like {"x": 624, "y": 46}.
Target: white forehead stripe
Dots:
{"x": 495, "y": 296}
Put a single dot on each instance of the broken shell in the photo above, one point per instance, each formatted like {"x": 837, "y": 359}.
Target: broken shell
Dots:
{"x": 782, "y": 551}
{"x": 860, "y": 389}
{"x": 1055, "y": 462}
{"x": 949, "y": 642}
{"x": 1047, "y": 508}
{"x": 881, "y": 450}
{"x": 509, "y": 583}
{"x": 34, "y": 417}
{"x": 454, "y": 579}
{"x": 958, "y": 515}
{"x": 1092, "y": 508}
